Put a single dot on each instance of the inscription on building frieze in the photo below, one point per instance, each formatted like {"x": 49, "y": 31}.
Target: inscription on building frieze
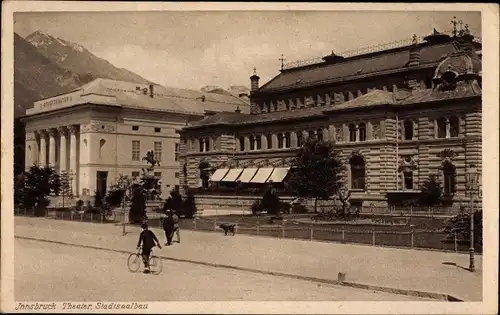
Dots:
{"x": 97, "y": 127}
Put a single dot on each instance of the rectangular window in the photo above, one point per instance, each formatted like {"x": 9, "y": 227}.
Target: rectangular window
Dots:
{"x": 135, "y": 128}
{"x": 136, "y": 150}
{"x": 157, "y": 129}
{"x": 177, "y": 174}
{"x": 157, "y": 150}
{"x": 408, "y": 179}
{"x": 177, "y": 151}
{"x": 135, "y": 175}
{"x": 157, "y": 174}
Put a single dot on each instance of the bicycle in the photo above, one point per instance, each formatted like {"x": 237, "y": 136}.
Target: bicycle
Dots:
{"x": 135, "y": 259}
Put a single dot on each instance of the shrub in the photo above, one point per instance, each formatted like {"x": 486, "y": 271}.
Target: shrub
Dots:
{"x": 256, "y": 207}
{"x": 138, "y": 206}
{"x": 79, "y": 205}
{"x": 114, "y": 197}
{"x": 173, "y": 202}
{"x": 285, "y": 207}
{"x": 98, "y": 199}
{"x": 460, "y": 224}
{"x": 189, "y": 205}
{"x": 299, "y": 208}
{"x": 270, "y": 201}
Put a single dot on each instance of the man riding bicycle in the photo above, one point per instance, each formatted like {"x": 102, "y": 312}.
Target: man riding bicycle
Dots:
{"x": 148, "y": 240}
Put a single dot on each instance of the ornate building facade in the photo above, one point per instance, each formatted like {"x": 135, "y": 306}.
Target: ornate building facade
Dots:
{"x": 105, "y": 128}
{"x": 397, "y": 116}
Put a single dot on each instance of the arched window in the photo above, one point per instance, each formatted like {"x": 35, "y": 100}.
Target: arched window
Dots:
{"x": 352, "y": 133}
{"x": 252, "y": 142}
{"x": 258, "y": 143}
{"x": 454, "y": 126}
{"x": 242, "y": 144}
{"x": 441, "y": 127}
{"x": 362, "y": 131}
{"x": 319, "y": 134}
{"x": 357, "y": 172}
{"x": 207, "y": 144}
{"x": 269, "y": 139}
{"x": 449, "y": 176}
{"x": 202, "y": 145}
{"x": 287, "y": 140}
{"x": 408, "y": 129}
{"x": 300, "y": 138}
{"x": 281, "y": 141}
{"x": 101, "y": 145}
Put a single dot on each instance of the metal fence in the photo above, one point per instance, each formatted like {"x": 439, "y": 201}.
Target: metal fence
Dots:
{"x": 397, "y": 236}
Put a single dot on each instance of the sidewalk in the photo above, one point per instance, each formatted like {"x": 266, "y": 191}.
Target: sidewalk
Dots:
{"x": 376, "y": 266}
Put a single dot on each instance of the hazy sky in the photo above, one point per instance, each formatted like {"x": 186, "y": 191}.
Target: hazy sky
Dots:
{"x": 193, "y": 49}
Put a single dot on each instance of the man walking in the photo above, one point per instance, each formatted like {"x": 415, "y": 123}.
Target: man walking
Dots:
{"x": 176, "y": 229}
{"x": 168, "y": 227}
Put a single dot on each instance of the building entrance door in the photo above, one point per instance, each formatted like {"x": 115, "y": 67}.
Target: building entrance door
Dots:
{"x": 102, "y": 182}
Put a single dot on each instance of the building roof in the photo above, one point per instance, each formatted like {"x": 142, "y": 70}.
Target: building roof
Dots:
{"x": 371, "y": 99}
{"x": 132, "y": 95}
{"x": 352, "y": 67}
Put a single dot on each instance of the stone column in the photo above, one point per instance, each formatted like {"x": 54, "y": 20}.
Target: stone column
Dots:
{"x": 31, "y": 149}
{"x": 43, "y": 148}
{"x": 52, "y": 147}
{"x": 263, "y": 140}
{"x": 331, "y": 133}
{"x": 293, "y": 139}
{"x": 73, "y": 158}
{"x": 274, "y": 138}
{"x": 247, "y": 143}
{"x": 62, "y": 150}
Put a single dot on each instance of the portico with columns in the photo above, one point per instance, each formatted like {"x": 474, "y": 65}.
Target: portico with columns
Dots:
{"x": 55, "y": 147}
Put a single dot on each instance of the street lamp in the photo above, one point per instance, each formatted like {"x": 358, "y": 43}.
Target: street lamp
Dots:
{"x": 472, "y": 179}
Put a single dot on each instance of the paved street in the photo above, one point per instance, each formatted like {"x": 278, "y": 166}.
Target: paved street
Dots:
{"x": 47, "y": 271}
{"x": 387, "y": 267}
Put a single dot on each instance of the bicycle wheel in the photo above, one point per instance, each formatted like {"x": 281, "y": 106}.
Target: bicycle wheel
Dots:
{"x": 155, "y": 265}
{"x": 134, "y": 262}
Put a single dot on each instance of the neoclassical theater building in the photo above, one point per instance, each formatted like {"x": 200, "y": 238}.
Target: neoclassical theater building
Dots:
{"x": 104, "y": 128}
{"x": 397, "y": 115}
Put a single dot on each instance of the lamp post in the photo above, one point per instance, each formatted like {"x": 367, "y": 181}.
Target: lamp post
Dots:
{"x": 472, "y": 179}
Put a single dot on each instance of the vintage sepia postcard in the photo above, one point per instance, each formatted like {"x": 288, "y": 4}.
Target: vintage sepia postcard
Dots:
{"x": 249, "y": 158}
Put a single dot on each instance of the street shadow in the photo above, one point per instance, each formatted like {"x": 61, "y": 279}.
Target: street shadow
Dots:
{"x": 455, "y": 264}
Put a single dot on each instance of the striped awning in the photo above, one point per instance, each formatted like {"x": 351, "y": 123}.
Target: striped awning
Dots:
{"x": 262, "y": 175}
{"x": 232, "y": 175}
{"x": 278, "y": 175}
{"x": 247, "y": 175}
{"x": 218, "y": 174}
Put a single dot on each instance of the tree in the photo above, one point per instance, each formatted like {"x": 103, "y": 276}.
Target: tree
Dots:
{"x": 431, "y": 192}
{"x": 460, "y": 225}
{"x": 35, "y": 186}
{"x": 318, "y": 172}
{"x": 65, "y": 190}
{"x": 117, "y": 193}
{"x": 174, "y": 201}
{"x": 138, "y": 205}
{"x": 189, "y": 205}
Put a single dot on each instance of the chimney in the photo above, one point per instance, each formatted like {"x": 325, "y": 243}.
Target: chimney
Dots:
{"x": 254, "y": 81}
{"x": 414, "y": 53}
{"x": 151, "y": 91}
